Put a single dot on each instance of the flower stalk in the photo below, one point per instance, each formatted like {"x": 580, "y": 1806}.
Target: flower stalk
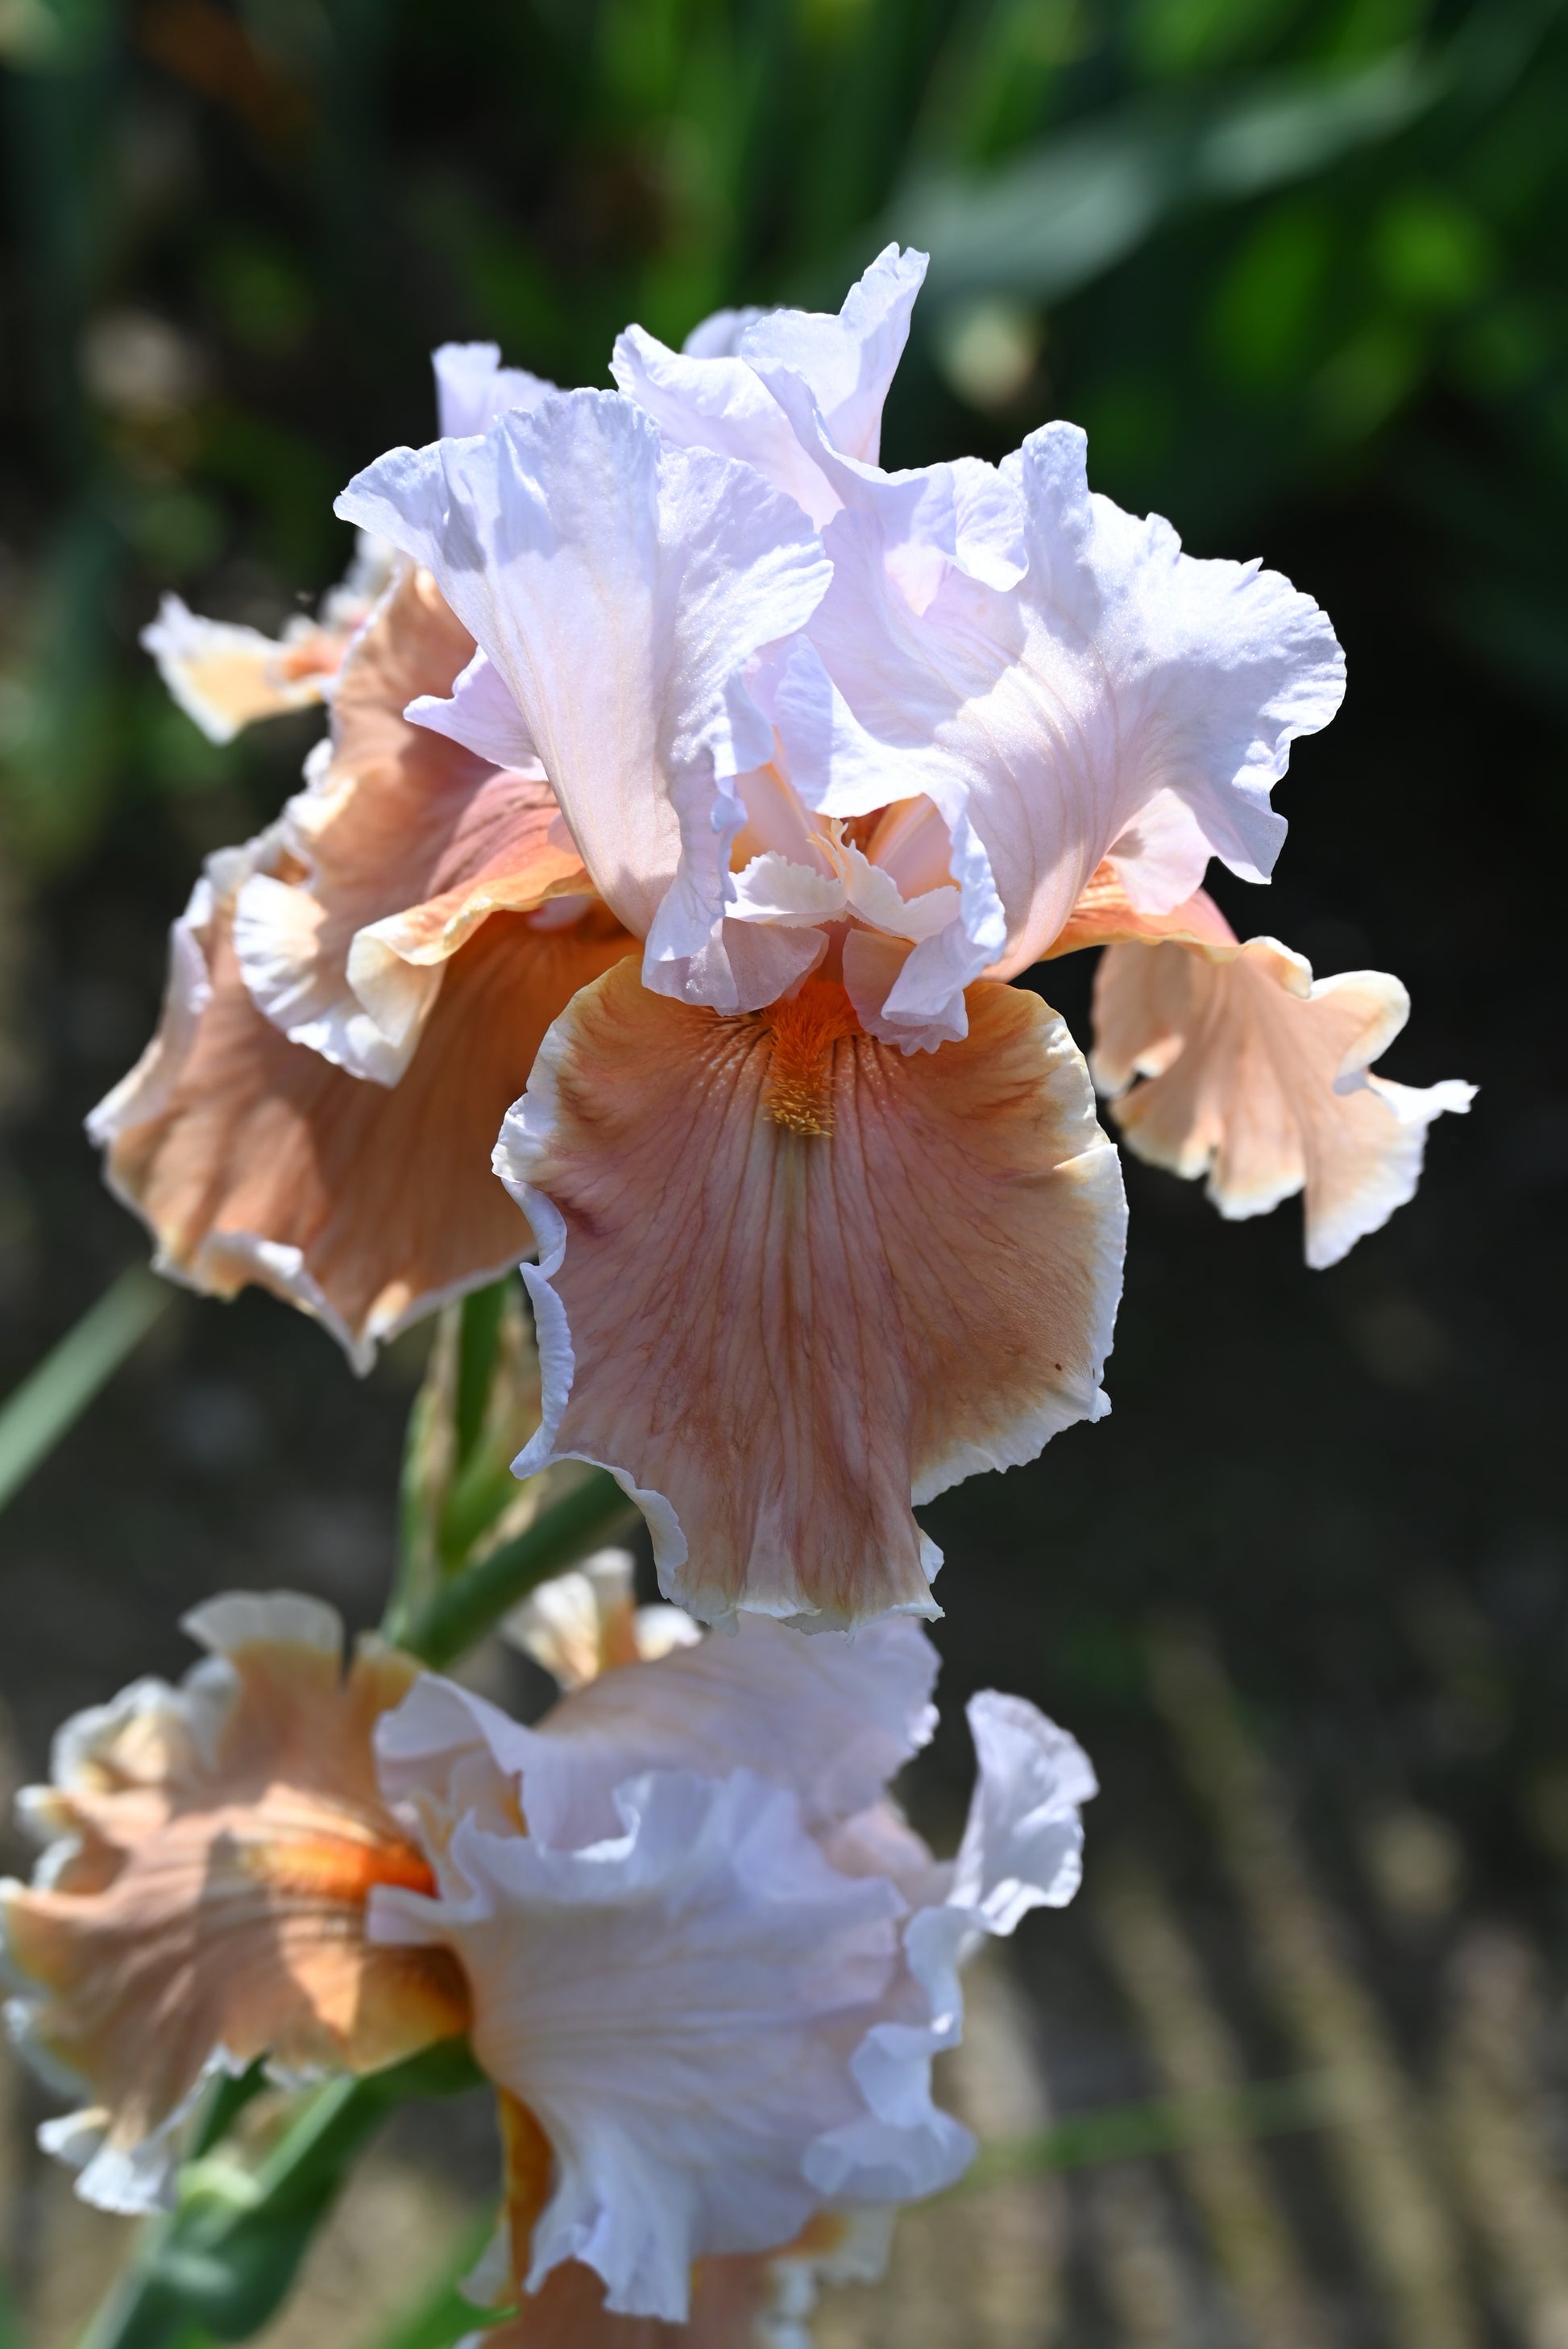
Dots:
{"x": 224, "y": 2260}
{"x": 463, "y": 1610}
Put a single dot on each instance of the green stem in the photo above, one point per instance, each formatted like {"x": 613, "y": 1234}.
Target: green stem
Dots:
{"x": 221, "y": 2261}
{"x": 464, "y": 1609}
{"x": 478, "y": 1329}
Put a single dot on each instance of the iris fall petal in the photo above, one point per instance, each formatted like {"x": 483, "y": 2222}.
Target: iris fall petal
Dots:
{"x": 791, "y": 1278}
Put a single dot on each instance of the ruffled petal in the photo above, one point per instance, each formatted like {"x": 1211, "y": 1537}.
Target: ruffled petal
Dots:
{"x": 1022, "y": 1849}
{"x": 253, "y": 1160}
{"x": 1258, "y": 1076}
{"x": 832, "y": 1719}
{"x": 473, "y": 388}
{"x": 620, "y": 588}
{"x": 761, "y": 2302}
{"x": 790, "y": 1277}
{"x": 714, "y": 395}
{"x": 403, "y": 844}
{"x": 204, "y": 1902}
{"x": 224, "y": 677}
{"x": 665, "y": 2003}
{"x": 1120, "y": 701}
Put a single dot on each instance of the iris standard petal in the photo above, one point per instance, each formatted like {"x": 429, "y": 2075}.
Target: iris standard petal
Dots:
{"x": 473, "y": 388}
{"x": 620, "y": 588}
{"x": 1120, "y": 700}
{"x": 664, "y": 2004}
{"x": 791, "y": 1278}
{"x": 833, "y": 1719}
{"x": 714, "y": 394}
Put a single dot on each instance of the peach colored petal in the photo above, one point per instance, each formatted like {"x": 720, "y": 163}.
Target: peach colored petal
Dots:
{"x": 225, "y": 678}
{"x": 587, "y": 1621}
{"x": 790, "y": 1276}
{"x": 405, "y": 842}
{"x": 253, "y": 1160}
{"x": 1106, "y": 916}
{"x": 1258, "y": 1077}
{"x": 207, "y": 1901}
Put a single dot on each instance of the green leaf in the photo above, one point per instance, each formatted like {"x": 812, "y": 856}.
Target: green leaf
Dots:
{"x": 51, "y": 1399}
{"x": 1065, "y": 211}
{"x": 1164, "y": 2124}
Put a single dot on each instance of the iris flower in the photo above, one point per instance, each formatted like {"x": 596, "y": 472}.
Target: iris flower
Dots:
{"x": 200, "y": 1902}
{"x": 710, "y": 1962}
{"x": 699, "y": 1951}
{"x": 825, "y": 1221}
{"x": 716, "y": 782}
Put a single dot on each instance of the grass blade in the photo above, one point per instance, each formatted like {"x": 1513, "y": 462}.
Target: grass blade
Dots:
{"x": 52, "y": 1398}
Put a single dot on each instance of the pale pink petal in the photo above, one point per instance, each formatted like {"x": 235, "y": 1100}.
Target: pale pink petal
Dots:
{"x": 255, "y": 1160}
{"x": 790, "y": 1277}
{"x": 834, "y": 1719}
{"x": 1258, "y": 1077}
{"x": 205, "y": 1903}
{"x": 1120, "y": 700}
{"x": 403, "y": 844}
{"x": 1022, "y": 1849}
{"x": 473, "y": 388}
{"x": 669, "y": 2005}
{"x": 621, "y": 588}
{"x": 714, "y": 395}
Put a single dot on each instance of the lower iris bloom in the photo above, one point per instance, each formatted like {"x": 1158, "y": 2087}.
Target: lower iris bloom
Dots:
{"x": 699, "y": 1951}
{"x": 709, "y": 1960}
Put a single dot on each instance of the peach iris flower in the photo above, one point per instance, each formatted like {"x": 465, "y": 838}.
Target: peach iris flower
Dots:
{"x": 825, "y": 1221}
{"x": 202, "y": 1901}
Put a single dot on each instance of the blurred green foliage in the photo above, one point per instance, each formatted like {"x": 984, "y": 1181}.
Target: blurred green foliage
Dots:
{"x": 1265, "y": 250}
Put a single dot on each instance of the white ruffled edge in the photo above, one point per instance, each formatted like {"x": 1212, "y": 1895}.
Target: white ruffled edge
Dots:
{"x": 1022, "y": 1849}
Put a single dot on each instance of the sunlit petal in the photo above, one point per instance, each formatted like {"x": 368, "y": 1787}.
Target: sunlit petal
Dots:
{"x": 714, "y": 395}
{"x": 790, "y": 1277}
{"x": 620, "y": 588}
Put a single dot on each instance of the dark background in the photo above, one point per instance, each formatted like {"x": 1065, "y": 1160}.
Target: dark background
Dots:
{"x": 1301, "y": 269}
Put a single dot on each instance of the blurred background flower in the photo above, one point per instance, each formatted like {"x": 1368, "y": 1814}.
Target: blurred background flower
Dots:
{"x": 1301, "y": 268}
